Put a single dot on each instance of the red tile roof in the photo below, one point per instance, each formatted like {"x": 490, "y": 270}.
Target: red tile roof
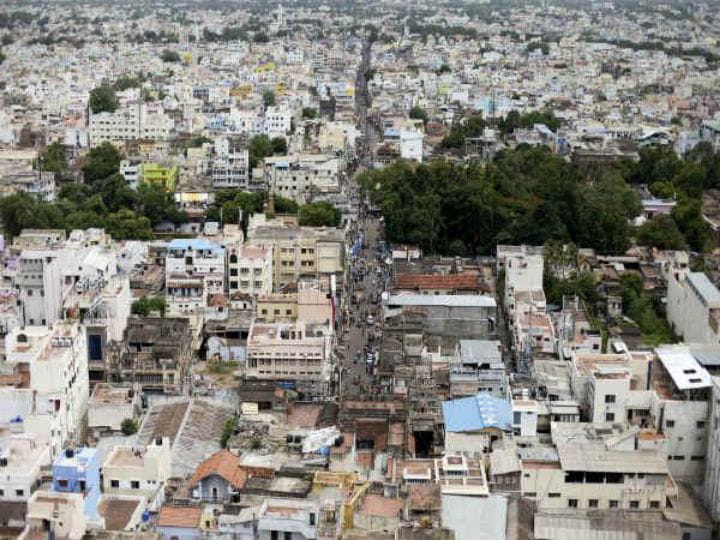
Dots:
{"x": 180, "y": 516}
{"x": 224, "y": 464}
{"x": 463, "y": 281}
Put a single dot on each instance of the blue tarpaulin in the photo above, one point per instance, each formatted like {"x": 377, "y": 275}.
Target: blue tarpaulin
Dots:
{"x": 478, "y": 412}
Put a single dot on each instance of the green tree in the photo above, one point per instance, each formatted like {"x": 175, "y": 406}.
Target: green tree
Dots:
{"x": 309, "y": 113}
{"x": 103, "y": 99}
{"x": 129, "y": 427}
{"x": 268, "y": 98}
{"x": 169, "y": 56}
{"x": 53, "y": 159}
{"x": 125, "y": 224}
{"x": 259, "y": 147}
{"x": 158, "y": 205}
{"x": 418, "y": 113}
{"x": 228, "y": 431}
{"x": 283, "y": 205}
{"x": 148, "y": 304}
{"x": 101, "y": 162}
{"x": 279, "y": 145}
{"x": 319, "y": 214}
{"x": 15, "y": 211}
{"x": 661, "y": 232}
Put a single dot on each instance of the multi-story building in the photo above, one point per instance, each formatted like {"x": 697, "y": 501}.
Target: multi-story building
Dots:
{"x": 155, "y": 353}
{"x": 278, "y": 121}
{"x": 250, "y": 270}
{"x": 230, "y": 166}
{"x": 40, "y": 184}
{"x": 693, "y": 307}
{"x": 478, "y": 367}
{"x": 48, "y": 384}
{"x": 299, "y": 252}
{"x": 129, "y": 471}
{"x": 194, "y": 269}
{"x": 121, "y": 125}
{"x": 596, "y": 467}
{"x": 288, "y": 518}
{"x": 62, "y": 513}
{"x": 288, "y": 352}
{"x": 159, "y": 175}
{"x": 711, "y": 485}
{"x": 311, "y": 303}
{"x": 131, "y": 171}
{"x": 303, "y": 178}
{"x": 21, "y": 459}
{"x": 77, "y": 470}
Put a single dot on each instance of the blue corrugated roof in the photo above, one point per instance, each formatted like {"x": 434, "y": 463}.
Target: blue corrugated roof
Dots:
{"x": 477, "y": 412}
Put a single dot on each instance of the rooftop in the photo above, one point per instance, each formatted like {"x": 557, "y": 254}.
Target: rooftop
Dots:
{"x": 683, "y": 368}
{"x": 446, "y": 300}
{"x": 478, "y": 412}
{"x": 179, "y": 516}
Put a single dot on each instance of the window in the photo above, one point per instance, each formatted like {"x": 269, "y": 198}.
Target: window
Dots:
{"x": 287, "y": 535}
{"x": 700, "y": 424}
{"x": 553, "y": 495}
{"x": 592, "y": 503}
{"x": 610, "y": 398}
{"x": 572, "y": 503}
{"x": 612, "y": 504}
{"x": 312, "y": 519}
{"x": 655, "y": 504}
{"x": 19, "y": 492}
{"x": 274, "y": 535}
{"x": 697, "y": 458}
{"x": 115, "y": 483}
{"x": 610, "y": 417}
{"x": 135, "y": 484}
{"x": 530, "y": 494}
{"x": 63, "y": 483}
{"x": 516, "y": 418}
{"x": 669, "y": 424}
{"x": 634, "y": 505}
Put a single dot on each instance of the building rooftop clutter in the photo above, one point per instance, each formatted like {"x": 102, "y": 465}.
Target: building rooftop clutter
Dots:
{"x": 184, "y": 517}
{"x": 476, "y": 413}
{"x": 478, "y": 351}
{"x": 683, "y": 368}
{"x": 603, "y": 524}
{"x": 180, "y": 246}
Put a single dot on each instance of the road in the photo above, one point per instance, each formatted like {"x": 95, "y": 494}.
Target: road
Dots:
{"x": 359, "y": 340}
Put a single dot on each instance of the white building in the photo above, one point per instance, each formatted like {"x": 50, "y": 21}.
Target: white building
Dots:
{"x": 131, "y": 171}
{"x": 138, "y": 471}
{"x": 21, "y": 458}
{"x": 53, "y": 401}
{"x": 250, "y": 270}
{"x": 62, "y": 513}
{"x": 121, "y": 125}
{"x": 711, "y": 486}
{"x": 278, "y": 121}
{"x": 194, "y": 269}
{"x": 411, "y": 145}
{"x": 693, "y": 308}
{"x": 282, "y": 351}
{"x": 231, "y": 164}
{"x": 302, "y": 177}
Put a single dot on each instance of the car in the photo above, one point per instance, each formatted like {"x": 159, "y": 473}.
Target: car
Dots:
{"x": 370, "y": 320}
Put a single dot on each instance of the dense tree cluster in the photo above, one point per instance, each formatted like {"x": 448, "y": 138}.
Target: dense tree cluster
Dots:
{"x": 104, "y": 200}
{"x": 319, "y": 214}
{"x": 668, "y": 176}
{"x": 103, "y": 99}
{"x": 170, "y": 56}
{"x": 526, "y": 195}
{"x": 262, "y": 146}
{"x": 147, "y": 304}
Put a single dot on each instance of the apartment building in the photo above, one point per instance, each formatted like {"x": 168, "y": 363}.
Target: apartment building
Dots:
{"x": 120, "y": 125}
{"x": 139, "y": 471}
{"x": 277, "y": 122}
{"x": 693, "y": 308}
{"x": 131, "y": 171}
{"x": 250, "y": 270}
{"x": 162, "y": 176}
{"x": 298, "y": 252}
{"x": 230, "y": 166}
{"x": 48, "y": 385}
{"x": 288, "y": 518}
{"x": 711, "y": 485}
{"x": 311, "y": 303}
{"x": 478, "y": 367}
{"x": 194, "y": 269}
{"x": 77, "y": 470}
{"x": 596, "y": 467}
{"x": 21, "y": 460}
{"x": 62, "y": 513}
{"x": 288, "y": 352}
{"x": 302, "y": 178}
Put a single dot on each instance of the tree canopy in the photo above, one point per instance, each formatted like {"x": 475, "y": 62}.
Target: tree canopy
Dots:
{"x": 170, "y": 56}
{"x": 103, "y": 99}
{"x": 268, "y": 98}
{"x": 101, "y": 162}
{"x": 319, "y": 214}
{"x": 418, "y": 113}
{"x": 53, "y": 159}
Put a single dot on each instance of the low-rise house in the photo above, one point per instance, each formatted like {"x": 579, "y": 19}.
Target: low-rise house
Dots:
{"x": 62, "y": 513}
{"x": 110, "y": 404}
{"x": 179, "y": 522}
{"x": 21, "y": 460}
{"x": 77, "y": 470}
{"x": 218, "y": 478}
{"x": 138, "y": 471}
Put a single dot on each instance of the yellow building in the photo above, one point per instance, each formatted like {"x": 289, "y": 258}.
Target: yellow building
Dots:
{"x": 153, "y": 173}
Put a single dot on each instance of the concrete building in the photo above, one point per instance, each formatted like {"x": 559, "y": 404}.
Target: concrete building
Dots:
{"x": 77, "y": 470}
{"x": 303, "y": 178}
{"x": 288, "y": 352}
{"x": 62, "y": 513}
{"x": 296, "y": 519}
{"x": 131, "y": 171}
{"x": 194, "y": 270}
{"x": 109, "y": 405}
{"x": 596, "y": 467}
{"x": 230, "y": 167}
{"x": 693, "y": 308}
{"x": 478, "y": 367}
{"x": 51, "y": 395}
{"x": 217, "y": 478}
{"x": 711, "y": 485}
{"x": 139, "y": 471}
{"x": 250, "y": 270}
{"x": 165, "y": 177}
{"x": 21, "y": 460}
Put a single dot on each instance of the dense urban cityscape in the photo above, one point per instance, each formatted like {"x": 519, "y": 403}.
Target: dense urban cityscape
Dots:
{"x": 360, "y": 269}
